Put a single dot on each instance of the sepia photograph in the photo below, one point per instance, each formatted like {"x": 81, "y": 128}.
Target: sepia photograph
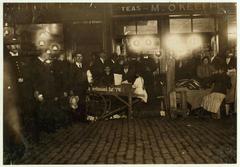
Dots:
{"x": 119, "y": 83}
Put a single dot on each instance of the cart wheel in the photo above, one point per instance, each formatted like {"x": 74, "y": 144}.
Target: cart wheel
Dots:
{"x": 96, "y": 104}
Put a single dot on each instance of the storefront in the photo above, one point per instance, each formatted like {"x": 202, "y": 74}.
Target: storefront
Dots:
{"x": 77, "y": 27}
{"x": 54, "y": 27}
{"x": 173, "y": 33}
{"x": 131, "y": 28}
{"x": 181, "y": 27}
{"x": 128, "y": 29}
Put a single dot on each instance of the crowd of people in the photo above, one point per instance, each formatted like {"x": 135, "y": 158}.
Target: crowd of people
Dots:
{"x": 219, "y": 74}
{"x": 52, "y": 83}
{"x": 53, "y": 80}
{"x": 49, "y": 83}
{"x": 216, "y": 73}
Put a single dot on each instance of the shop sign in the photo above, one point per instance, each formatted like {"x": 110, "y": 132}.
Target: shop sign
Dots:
{"x": 170, "y": 8}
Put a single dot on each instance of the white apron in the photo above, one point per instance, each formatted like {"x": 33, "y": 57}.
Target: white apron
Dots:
{"x": 213, "y": 101}
{"x": 139, "y": 89}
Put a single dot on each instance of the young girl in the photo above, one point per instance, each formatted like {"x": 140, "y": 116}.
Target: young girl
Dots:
{"x": 139, "y": 87}
{"x": 221, "y": 82}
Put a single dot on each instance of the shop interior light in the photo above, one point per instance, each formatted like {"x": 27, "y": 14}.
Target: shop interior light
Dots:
{"x": 48, "y": 51}
{"x": 143, "y": 44}
{"x": 52, "y": 29}
{"x": 148, "y": 42}
{"x": 55, "y": 48}
{"x": 158, "y": 53}
{"x": 194, "y": 42}
{"x": 176, "y": 44}
{"x": 172, "y": 42}
{"x": 48, "y": 61}
{"x": 41, "y": 43}
{"x": 6, "y": 32}
{"x": 43, "y": 35}
{"x": 6, "y": 24}
{"x": 135, "y": 43}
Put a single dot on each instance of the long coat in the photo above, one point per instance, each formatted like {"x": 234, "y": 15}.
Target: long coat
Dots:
{"x": 61, "y": 76}
{"x": 12, "y": 127}
{"x": 43, "y": 79}
{"x": 78, "y": 79}
{"x": 98, "y": 69}
{"x": 129, "y": 76}
{"x": 232, "y": 63}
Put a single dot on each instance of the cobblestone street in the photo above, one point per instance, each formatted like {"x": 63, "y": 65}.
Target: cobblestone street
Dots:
{"x": 139, "y": 141}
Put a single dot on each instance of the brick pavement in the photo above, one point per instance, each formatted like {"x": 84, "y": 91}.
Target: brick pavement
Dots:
{"x": 139, "y": 141}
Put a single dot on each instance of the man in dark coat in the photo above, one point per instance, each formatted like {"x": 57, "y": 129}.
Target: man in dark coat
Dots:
{"x": 231, "y": 69}
{"x": 43, "y": 79}
{"x": 118, "y": 66}
{"x": 44, "y": 93}
{"x": 149, "y": 67}
{"x": 13, "y": 143}
{"x": 61, "y": 75}
{"x": 216, "y": 61}
{"x": 231, "y": 61}
{"x": 128, "y": 73}
{"x": 98, "y": 67}
{"x": 112, "y": 61}
{"x": 79, "y": 84}
{"x": 62, "y": 84}
{"x": 27, "y": 98}
{"x": 137, "y": 64}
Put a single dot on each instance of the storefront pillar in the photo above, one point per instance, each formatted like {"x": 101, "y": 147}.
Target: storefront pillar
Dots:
{"x": 169, "y": 62}
{"x": 164, "y": 29}
{"x": 107, "y": 29}
{"x": 223, "y": 38}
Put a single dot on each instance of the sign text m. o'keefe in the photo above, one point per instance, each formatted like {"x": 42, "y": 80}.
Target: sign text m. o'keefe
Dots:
{"x": 184, "y": 7}
{"x": 170, "y": 8}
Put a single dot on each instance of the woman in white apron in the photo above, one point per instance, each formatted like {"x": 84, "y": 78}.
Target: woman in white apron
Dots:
{"x": 140, "y": 91}
{"x": 212, "y": 102}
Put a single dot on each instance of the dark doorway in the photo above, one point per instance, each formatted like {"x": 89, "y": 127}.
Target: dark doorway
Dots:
{"x": 85, "y": 37}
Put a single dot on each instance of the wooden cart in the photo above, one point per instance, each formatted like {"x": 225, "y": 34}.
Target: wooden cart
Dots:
{"x": 99, "y": 100}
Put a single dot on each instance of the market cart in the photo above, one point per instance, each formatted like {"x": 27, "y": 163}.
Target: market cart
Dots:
{"x": 99, "y": 100}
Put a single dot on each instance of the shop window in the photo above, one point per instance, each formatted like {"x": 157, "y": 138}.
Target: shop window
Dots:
{"x": 203, "y": 25}
{"x": 147, "y": 27}
{"x": 232, "y": 30}
{"x": 141, "y": 27}
{"x": 41, "y": 37}
{"x": 180, "y": 25}
{"x": 143, "y": 44}
{"x": 130, "y": 29}
{"x": 232, "y": 24}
